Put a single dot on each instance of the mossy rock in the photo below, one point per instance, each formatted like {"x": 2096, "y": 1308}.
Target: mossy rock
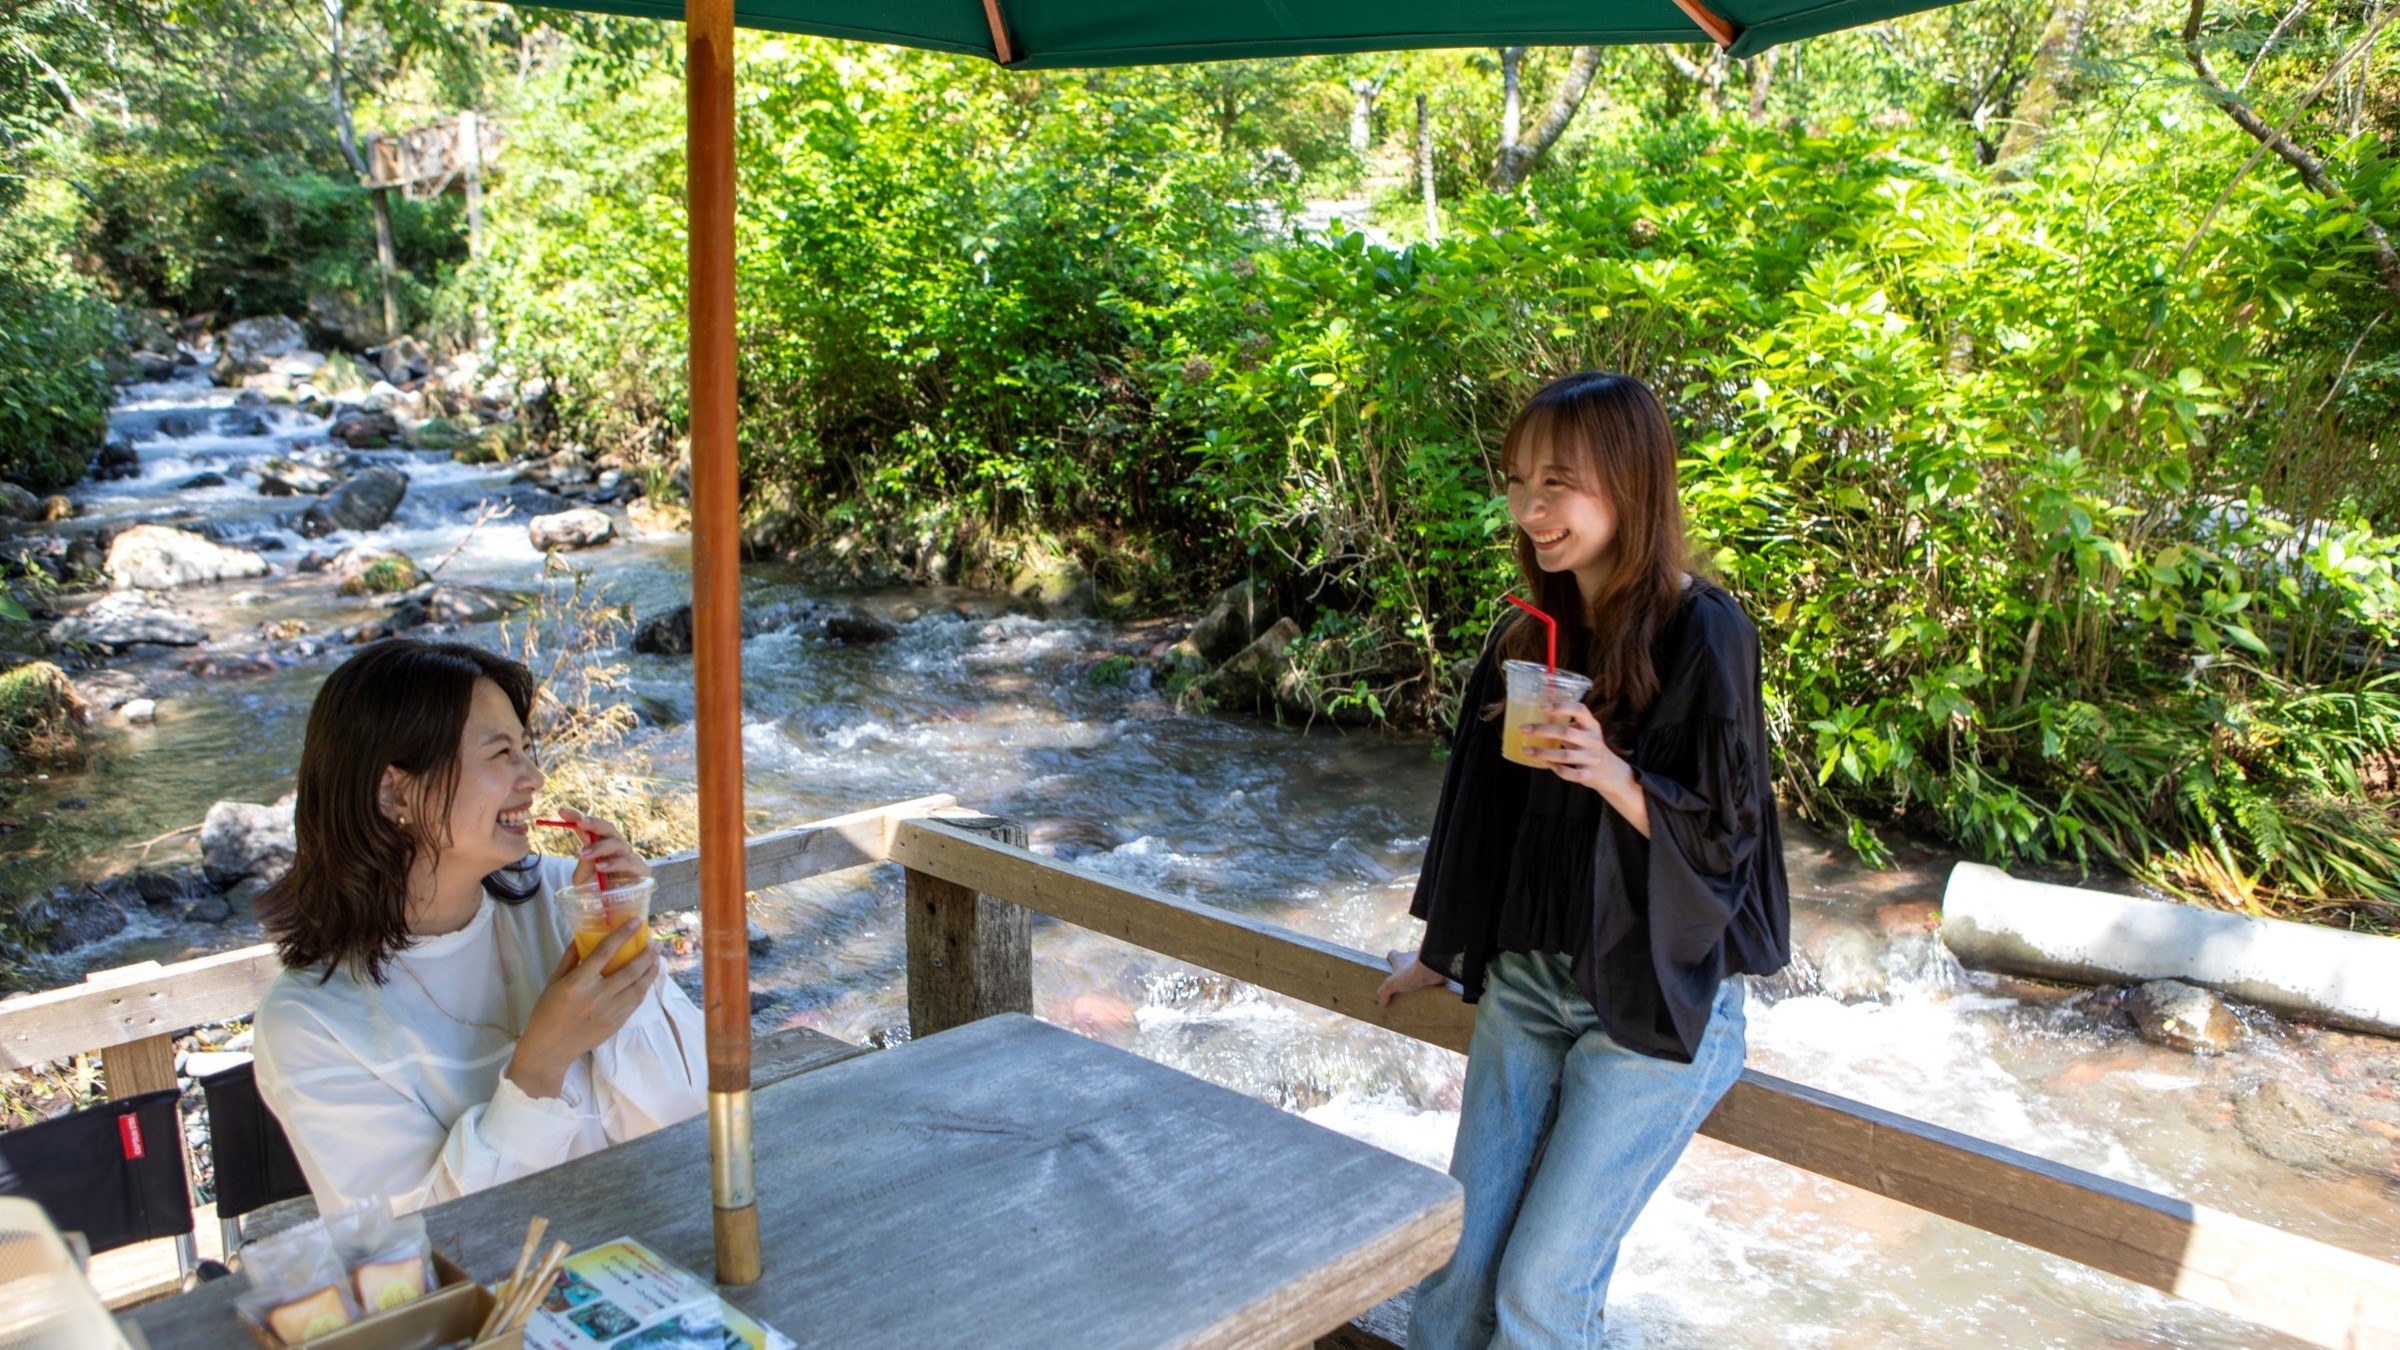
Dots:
{"x": 384, "y": 576}
{"x": 340, "y": 375}
{"x": 41, "y": 715}
{"x": 439, "y": 433}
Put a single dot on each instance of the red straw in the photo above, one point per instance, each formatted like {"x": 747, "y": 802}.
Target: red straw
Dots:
{"x": 588, "y": 837}
{"x": 1547, "y": 622}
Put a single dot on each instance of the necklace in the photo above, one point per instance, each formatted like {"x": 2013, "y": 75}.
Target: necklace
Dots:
{"x": 437, "y": 1005}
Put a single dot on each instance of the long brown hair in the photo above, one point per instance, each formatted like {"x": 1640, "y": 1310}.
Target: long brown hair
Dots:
{"x": 1612, "y": 434}
{"x": 402, "y": 704}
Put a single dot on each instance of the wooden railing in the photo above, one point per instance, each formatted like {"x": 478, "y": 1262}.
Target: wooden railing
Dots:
{"x": 961, "y": 882}
{"x": 971, "y": 891}
{"x": 130, "y": 1017}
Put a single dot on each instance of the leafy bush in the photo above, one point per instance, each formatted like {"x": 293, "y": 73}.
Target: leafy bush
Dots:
{"x": 54, "y": 388}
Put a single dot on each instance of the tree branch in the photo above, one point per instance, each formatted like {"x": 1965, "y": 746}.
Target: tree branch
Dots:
{"x": 1517, "y": 161}
{"x": 2311, "y": 169}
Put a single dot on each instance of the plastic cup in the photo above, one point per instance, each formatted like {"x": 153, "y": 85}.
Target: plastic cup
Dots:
{"x": 1535, "y": 693}
{"x": 599, "y": 908}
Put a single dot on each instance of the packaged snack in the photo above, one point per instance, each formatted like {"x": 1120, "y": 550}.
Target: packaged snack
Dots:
{"x": 298, "y": 1286}
{"x": 389, "y": 1258}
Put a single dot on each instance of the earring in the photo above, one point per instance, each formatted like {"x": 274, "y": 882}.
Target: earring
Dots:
{"x": 402, "y": 821}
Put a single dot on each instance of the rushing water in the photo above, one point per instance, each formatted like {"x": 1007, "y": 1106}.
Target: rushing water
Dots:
{"x": 1320, "y": 832}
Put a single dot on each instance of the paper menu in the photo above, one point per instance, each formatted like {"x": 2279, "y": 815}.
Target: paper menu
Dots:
{"x": 624, "y": 1296}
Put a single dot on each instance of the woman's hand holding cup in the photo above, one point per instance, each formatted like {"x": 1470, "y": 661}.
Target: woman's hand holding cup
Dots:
{"x": 581, "y": 1008}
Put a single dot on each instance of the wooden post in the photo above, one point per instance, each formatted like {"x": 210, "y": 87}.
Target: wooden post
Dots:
{"x": 717, "y": 631}
{"x": 1433, "y": 217}
{"x": 969, "y": 955}
{"x": 139, "y": 1066}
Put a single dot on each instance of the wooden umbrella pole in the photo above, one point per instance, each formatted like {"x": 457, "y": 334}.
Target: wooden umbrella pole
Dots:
{"x": 717, "y": 633}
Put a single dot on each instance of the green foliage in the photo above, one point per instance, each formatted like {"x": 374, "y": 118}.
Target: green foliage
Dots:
{"x": 41, "y": 716}
{"x": 53, "y": 381}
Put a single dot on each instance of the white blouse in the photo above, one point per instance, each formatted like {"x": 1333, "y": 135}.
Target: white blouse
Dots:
{"x": 398, "y": 1089}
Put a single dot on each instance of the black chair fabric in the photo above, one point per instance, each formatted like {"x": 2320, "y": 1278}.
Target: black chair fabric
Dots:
{"x": 255, "y": 1166}
{"x": 113, "y": 1172}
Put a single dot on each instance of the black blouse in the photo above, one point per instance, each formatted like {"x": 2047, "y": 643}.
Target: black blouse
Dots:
{"x": 1521, "y": 860}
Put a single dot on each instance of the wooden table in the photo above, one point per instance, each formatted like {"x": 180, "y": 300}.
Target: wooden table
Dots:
{"x": 1004, "y": 1183}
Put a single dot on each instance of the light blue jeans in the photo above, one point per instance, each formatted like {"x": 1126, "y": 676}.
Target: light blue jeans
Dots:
{"x": 1562, "y": 1136}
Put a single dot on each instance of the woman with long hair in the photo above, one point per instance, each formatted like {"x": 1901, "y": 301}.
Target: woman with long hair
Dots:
{"x": 433, "y": 1032}
{"x": 1597, "y": 909}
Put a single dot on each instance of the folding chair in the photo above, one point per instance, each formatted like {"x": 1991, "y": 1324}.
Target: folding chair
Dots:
{"x": 113, "y": 1172}
{"x": 254, "y": 1161}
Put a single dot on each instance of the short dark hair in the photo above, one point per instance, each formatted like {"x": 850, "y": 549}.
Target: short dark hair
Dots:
{"x": 397, "y": 703}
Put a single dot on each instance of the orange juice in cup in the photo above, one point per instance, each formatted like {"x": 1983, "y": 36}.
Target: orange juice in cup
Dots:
{"x": 1534, "y": 694}
{"x": 600, "y": 907}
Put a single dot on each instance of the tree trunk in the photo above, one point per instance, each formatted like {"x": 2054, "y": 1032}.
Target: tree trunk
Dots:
{"x": 2053, "y": 63}
{"x": 1512, "y": 97}
{"x": 386, "y": 260}
{"x": 1363, "y": 94}
{"x": 1433, "y": 216}
{"x": 1517, "y": 161}
{"x": 1762, "y": 78}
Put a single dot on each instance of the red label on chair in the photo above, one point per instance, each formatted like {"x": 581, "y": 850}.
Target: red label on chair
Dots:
{"x": 129, "y": 1131}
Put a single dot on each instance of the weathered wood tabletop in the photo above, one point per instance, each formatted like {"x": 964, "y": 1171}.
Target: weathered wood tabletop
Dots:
{"x": 1004, "y": 1183}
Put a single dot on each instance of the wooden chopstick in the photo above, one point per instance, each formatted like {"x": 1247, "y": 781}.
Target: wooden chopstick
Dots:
{"x": 532, "y": 1295}
{"x": 508, "y": 1292}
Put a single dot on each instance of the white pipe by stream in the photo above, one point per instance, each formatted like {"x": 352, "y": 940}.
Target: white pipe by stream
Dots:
{"x": 1993, "y": 921}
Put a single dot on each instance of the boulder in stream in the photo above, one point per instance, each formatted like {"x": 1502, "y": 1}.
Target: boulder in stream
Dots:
{"x": 18, "y": 504}
{"x": 363, "y": 430}
{"x": 1233, "y": 620}
{"x": 68, "y": 917}
{"x": 251, "y": 346}
{"x": 363, "y": 503}
{"x": 581, "y": 527}
{"x": 123, "y": 619}
{"x": 243, "y": 839}
{"x": 362, "y": 570}
{"x": 2183, "y": 1017}
{"x": 283, "y": 478}
{"x": 118, "y": 459}
{"x": 1249, "y": 679}
{"x": 855, "y": 627}
{"x": 160, "y": 558}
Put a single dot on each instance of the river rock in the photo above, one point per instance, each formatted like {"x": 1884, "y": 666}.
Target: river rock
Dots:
{"x": 364, "y": 570}
{"x": 665, "y": 634}
{"x": 209, "y": 909}
{"x": 581, "y": 527}
{"x": 1849, "y": 963}
{"x": 205, "y": 479}
{"x": 464, "y": 604}
{"x": 248, "y": 346}
{"x": 153, "y": 366}
{"x": 179, "y": 425}
{"x": 160, "y": 558}
{"x": 139, "y": 711}
{"x": 160, "y": 888}
{"x": 1233, "y": 620}
{"x": 364, "y": 503}
{"x": 282, "y": 478}
{"x": 125, "y": 618}
{"x": 402, "y": 360}
{"x": 364, "y": 430}
{"x": 2183, "y": 1017}
{"x": 242, "y": 839}
{"x": 1250, "y": 677}
{"x": 2281, "y": 1122}
{"x": 242, "y": 422}
{"x": 118, "y": 459}
{"x": 341, "y": 319}
{"x": 73, "y": 916}
{"x": 18, "y": 504}
{"x": 855, "y": 627}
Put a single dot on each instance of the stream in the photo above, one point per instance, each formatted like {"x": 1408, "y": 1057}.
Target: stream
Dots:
{"x": 1318, "y": 831}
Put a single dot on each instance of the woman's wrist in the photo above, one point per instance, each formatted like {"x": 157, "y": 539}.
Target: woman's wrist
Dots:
{"x": 534, "y": 1075}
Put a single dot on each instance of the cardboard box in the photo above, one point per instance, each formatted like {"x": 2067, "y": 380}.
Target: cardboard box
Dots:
{"x": 453, "y": 1311}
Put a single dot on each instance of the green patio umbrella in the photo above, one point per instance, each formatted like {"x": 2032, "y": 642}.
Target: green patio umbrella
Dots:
{"x": 1045, "y": 33}
{"x": 1017, "y": 33}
